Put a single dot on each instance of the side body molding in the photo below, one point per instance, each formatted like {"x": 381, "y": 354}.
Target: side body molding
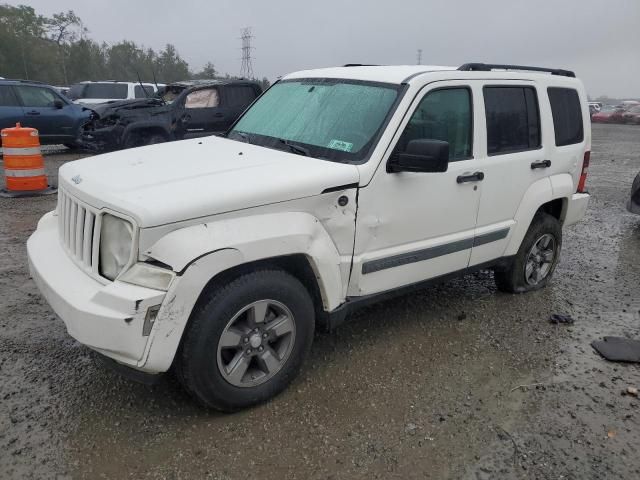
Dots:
{"x": 200, "y": 252}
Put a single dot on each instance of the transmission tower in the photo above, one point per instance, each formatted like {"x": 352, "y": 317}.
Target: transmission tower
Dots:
{"x": 419, "y": 56}
{"x": 246, "y": 70}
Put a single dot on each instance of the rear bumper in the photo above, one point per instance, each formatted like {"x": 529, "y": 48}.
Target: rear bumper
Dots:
{"x": 576, "y": 208}
{"x": 108, "y": 317}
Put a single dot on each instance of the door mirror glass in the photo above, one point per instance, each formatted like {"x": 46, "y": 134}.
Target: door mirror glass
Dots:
{"x": 421, "y": 155}
{"x": 57, "y": 103}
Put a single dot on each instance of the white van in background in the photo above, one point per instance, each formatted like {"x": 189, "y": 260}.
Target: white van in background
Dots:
{"x": 110, "y": 90}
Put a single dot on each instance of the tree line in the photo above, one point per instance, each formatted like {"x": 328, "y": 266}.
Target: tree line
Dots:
{"x": 57, "y": 50}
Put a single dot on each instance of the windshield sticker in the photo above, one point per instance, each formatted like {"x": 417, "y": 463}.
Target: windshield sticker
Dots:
{"x": 341, "y": 145}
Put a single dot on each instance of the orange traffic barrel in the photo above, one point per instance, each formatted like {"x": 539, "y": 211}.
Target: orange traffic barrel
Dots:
{"x": 23, "y": 163}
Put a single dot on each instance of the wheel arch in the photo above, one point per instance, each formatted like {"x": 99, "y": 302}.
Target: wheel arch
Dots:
{"x": 297, "y": 243}
{"x": 540, "y": 197}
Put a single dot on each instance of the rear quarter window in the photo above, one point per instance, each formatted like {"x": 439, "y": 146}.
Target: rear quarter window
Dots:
{"x": 567, "y": 115}
{"x": 513, "y": 119}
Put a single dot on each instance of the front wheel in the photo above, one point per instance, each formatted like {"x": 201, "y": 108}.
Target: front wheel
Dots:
{"x": 247, "y": 341}
{"x": 537, "y": 257}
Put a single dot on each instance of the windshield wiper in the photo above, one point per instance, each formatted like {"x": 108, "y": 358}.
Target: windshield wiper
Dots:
{"x": 244, "y": 136}
{"x": 295, "y": 148}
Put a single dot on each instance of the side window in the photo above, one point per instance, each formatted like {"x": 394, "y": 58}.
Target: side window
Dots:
{"x": 35, "y": 96}
{"x": 567, "y": 115}
{"x": 205, "y": 98}
{"x": 445, "y": 115}
{"x": 513, "y": 119}
{"x": 7, "y": 97}
{"x": 239, "y": 95}
{"x": 139, "y": 92}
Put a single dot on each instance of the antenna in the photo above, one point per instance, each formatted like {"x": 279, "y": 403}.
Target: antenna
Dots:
{"x": 419, "y": 57}
{"x": 246, "y": 70}
{"x": 144, "y": 90}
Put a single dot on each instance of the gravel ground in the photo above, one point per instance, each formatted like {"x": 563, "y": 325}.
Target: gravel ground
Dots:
{"x": 423, "y": 386}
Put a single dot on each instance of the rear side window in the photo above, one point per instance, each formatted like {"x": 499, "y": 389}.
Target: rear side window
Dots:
{"x": 106, "y": 90}
{"x": 239, "y": 96}
{"x": 513, "y": 119}
{"x": 446, "y": 115}
{"x": 7, "y": 97}
{"x": 567, "y": 115}
{"x": 139, "y": 92}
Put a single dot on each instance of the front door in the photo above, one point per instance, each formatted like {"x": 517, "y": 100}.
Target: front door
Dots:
{"x": 417, "y": 226}
{"x": 204, "y": 113}
{"x": 54, "y": 122}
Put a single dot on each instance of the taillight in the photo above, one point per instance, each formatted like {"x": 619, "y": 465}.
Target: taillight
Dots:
{"x": 585, "y": 169}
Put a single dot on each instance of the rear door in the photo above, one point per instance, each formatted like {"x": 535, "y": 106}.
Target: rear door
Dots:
{"x": 10, "y": 109}
{"x": 236, "y": 99}
{"x": 54, "y": 123}
{"x": 512, "y": 158}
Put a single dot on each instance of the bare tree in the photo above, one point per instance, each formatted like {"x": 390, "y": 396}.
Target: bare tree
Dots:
{"x": 63, "y": 29}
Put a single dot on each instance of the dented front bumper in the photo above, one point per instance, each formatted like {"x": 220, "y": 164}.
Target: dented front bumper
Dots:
{"x": 107, "y": 317}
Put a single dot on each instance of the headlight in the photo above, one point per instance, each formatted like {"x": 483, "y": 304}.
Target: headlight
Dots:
{"x": 148, "y": 276}
{"x": 116, "y": 241}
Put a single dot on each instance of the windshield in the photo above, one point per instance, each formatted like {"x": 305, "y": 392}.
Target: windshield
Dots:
{"x": 331, "y": 119}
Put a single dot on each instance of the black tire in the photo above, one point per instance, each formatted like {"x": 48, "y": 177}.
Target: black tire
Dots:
{"x": 155, "y": 138}
{"x": 197, "y": 364}
{"x": 513, "y": 279}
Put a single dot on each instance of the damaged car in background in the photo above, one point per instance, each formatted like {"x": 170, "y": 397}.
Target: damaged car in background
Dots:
{"x": 183, "y": 110}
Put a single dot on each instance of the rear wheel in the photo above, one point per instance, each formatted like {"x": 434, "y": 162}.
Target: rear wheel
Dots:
{"x": 247, "y": 341}
{"x": 537, "y": 257}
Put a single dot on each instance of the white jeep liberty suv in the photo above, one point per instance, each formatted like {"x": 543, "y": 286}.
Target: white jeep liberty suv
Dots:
{"x": 218, "y": 257}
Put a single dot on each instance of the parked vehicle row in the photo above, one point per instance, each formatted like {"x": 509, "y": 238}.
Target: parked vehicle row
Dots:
{"x": 144, "y": 115}
{"x": 617, "y": 114}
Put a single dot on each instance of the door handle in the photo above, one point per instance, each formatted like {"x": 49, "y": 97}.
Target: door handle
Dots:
{"x": 33, "y": 112}
{"x": 474, "y": 177}
{"x": 541, "y": 164}
{"x": 219, "y": 115}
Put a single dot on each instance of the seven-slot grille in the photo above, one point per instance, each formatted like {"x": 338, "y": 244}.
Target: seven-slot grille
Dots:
{"x": 77, "y": 224}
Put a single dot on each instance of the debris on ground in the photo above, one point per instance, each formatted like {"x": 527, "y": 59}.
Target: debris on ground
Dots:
{"x": 618, "y": 349}
{"x": 631, "y": 391}
{"x": 557, "y": 318}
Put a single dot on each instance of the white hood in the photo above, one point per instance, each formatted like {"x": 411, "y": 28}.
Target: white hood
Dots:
{"x": 177, "y": 181}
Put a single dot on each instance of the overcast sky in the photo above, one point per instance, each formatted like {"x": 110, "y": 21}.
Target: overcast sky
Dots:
{"x": 599, "y": 39}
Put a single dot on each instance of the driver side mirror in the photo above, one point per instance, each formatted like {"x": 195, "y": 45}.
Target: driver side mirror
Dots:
{"x": 57, "y": 103}
{"x": 422, "y": 155}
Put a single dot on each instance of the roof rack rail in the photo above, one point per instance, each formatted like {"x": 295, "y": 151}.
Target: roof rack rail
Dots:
{"x": 360, "y": 65}
{"x": 487, "y": 67}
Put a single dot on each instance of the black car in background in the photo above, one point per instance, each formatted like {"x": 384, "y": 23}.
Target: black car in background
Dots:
{"x": 182, "y": 110}
{"x": 40, "y": 106}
